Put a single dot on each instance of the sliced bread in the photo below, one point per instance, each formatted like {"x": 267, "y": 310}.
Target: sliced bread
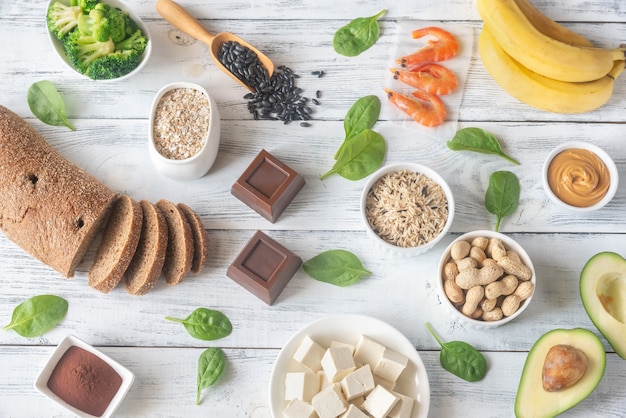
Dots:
{"x": 118, "y": 245}
{"x": 200, "y": 238}
{"x": 147, "y": 263}
{"x": 180, "y": 248}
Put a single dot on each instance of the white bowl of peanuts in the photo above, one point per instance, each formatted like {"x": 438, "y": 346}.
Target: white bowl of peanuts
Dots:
{"x": 184, "y": 131}
{"x": 486, "y": 279}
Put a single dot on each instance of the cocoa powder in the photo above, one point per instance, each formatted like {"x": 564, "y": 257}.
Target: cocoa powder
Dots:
{"x": 84, "y": 381}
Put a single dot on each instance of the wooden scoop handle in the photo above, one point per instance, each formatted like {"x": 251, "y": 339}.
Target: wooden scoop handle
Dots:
{"x": 178, "y": 17}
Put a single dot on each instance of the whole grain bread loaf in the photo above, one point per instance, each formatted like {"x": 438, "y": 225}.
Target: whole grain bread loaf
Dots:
{"x": 119, "y": 242}
{"x": 147, "y": 263}
{"x": 180, "y": 247}
{"x": 48, "y": 205}
{"x": 200, "y": 238}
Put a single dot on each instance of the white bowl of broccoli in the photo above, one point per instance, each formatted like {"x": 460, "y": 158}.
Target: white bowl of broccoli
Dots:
{"x": 98, "y": 39}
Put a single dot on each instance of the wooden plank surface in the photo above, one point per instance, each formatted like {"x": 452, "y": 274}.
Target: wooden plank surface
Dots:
{"x": 110, "y": 143}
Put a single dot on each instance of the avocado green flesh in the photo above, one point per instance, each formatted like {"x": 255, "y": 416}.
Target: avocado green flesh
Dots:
{"x": 532, "y": 400}
{"x": 603, "y": 293}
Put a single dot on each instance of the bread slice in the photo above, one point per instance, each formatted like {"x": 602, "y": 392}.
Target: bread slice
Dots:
{"x": 147, "y": 263}
{"x": 119, "y": 242}
{"x": 49, "y": 206}
{"x": 200, "y": 238}
{"x": 179, "y": 253}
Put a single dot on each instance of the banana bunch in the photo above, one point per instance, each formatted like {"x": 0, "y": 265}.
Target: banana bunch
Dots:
{"x": 542, "y": 63}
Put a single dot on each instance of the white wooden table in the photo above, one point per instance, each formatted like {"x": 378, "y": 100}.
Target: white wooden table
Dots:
{"x": 111, "y": 122}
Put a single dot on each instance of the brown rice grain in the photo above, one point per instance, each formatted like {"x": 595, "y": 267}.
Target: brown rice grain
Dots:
{"x": 406, "y": 209}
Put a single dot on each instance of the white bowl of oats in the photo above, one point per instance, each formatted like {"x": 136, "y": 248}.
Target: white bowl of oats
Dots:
{"x": 184, "y": 131}
{"x": 407, "y": 208}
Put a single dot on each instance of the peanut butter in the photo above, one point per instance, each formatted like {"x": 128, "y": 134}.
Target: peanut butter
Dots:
{"x": 578, "y": 177}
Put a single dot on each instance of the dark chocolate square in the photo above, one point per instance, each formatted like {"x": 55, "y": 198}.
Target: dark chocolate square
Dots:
{"x": 264, "y": 267}
{"x": 268, "y": 186}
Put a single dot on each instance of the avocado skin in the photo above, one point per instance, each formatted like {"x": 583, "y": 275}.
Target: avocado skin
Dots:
{"x": 532, "y": 401}
{"x": 605, "y": 272}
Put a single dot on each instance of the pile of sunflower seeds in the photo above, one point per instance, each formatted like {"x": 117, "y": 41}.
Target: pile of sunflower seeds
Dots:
{"x": 275, "y": 98}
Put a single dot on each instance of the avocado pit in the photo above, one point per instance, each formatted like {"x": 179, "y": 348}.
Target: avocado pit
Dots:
{"x": 564, "y": 366}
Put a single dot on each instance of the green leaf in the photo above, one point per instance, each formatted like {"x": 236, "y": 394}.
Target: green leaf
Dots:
{"x": 502, "y": 196}
{"x": 461, "y": 359}
{"x": 478, "y": 140}
{"x": 357, "y": 36}
{"x": 362, "y": 115}
{"x": 37, "y": 315}
{"x": 360, "y": 157}
{"x": 338, "y": 267}
{"x": 210, "y": 367}
{"x": 47, "y": 104}
{"x": 206, "y": 324}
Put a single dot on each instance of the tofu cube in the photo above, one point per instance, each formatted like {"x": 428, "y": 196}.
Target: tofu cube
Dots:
{"x": 329, "y": 403}
{"x": 391, "y": 365}
{"x": 354, "y": 412}
{"x": 341, "y": 344}
{"x": 309, "y": 353}
{"x": 337, "y": 362}
{"x": 380, "y": 402}
{"x": 358, "y": 383}
{"x": 299, "y": 409}
{"x": 368, "y": 351}
{"x": 301, "y": 385}
{"x": 403, "y": 408}
{"x": 387, "y": 384}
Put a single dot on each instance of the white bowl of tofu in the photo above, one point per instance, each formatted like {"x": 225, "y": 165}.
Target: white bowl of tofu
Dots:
{"x": 349, "y": 364}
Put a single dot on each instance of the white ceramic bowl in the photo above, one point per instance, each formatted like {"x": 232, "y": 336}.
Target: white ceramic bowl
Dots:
{"x": 391, "y": 248}
{"x": 58, "y": 45}
{"x": 199, "y": 164}
{"x": 603, "y": 155}
{"x": 348, "y": 328}
{"x": 509, "y": 244}
{"x": 41, "y": 383}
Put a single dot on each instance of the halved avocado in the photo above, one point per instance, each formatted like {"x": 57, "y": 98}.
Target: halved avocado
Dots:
{"x": 533, "y": 400}
{"x": 603, "y": 292}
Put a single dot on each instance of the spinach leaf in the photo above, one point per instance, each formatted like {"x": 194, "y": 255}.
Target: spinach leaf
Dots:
{"x": 206, "y": 324}
{"x": 362, "y": 115}
{"x": 360, "y": 156}
{"x": 478, "y": 140}
{"x": 461, "y": 359}
{"x": 502, "y": 196}
{"x": 47, "y": 104}
{"x": 37, "y": 315}
{"x": 210, "y": 367}
{"x": 338, "y": 267}
{"x": 357, "y": 36}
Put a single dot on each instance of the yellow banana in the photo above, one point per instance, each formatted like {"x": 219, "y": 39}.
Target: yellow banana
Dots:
{"x": 549, "y": 27}
{"x": 539, "y": 91}
{"x": 540, "y": 53}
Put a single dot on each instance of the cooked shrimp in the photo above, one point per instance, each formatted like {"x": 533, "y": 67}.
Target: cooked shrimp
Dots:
{"x": 424, "y": 108}
{"x": 433, "y": 78}
{"x": 443, "y": 47}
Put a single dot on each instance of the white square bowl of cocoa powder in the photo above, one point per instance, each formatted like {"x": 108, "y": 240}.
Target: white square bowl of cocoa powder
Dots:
{"x": 83, "y": 380}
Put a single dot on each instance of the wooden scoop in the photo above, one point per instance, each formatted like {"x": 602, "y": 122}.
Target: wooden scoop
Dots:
{"x": 178, "y": 17}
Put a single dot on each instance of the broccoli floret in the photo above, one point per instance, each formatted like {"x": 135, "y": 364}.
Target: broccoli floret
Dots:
{"x": 114, "y": 65}
{"x": 88, "y": 5}
{"x": 61, "y": 19}
{"x": 103, "y": 22}
{"x": 83, "y": 49}
{"x": 135, "y": 42}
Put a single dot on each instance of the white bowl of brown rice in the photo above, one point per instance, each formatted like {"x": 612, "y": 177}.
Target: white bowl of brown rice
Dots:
{"x": 486, "y": 279}
{"x": 184, "y": 131}
{"x": 407, "y": 208}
